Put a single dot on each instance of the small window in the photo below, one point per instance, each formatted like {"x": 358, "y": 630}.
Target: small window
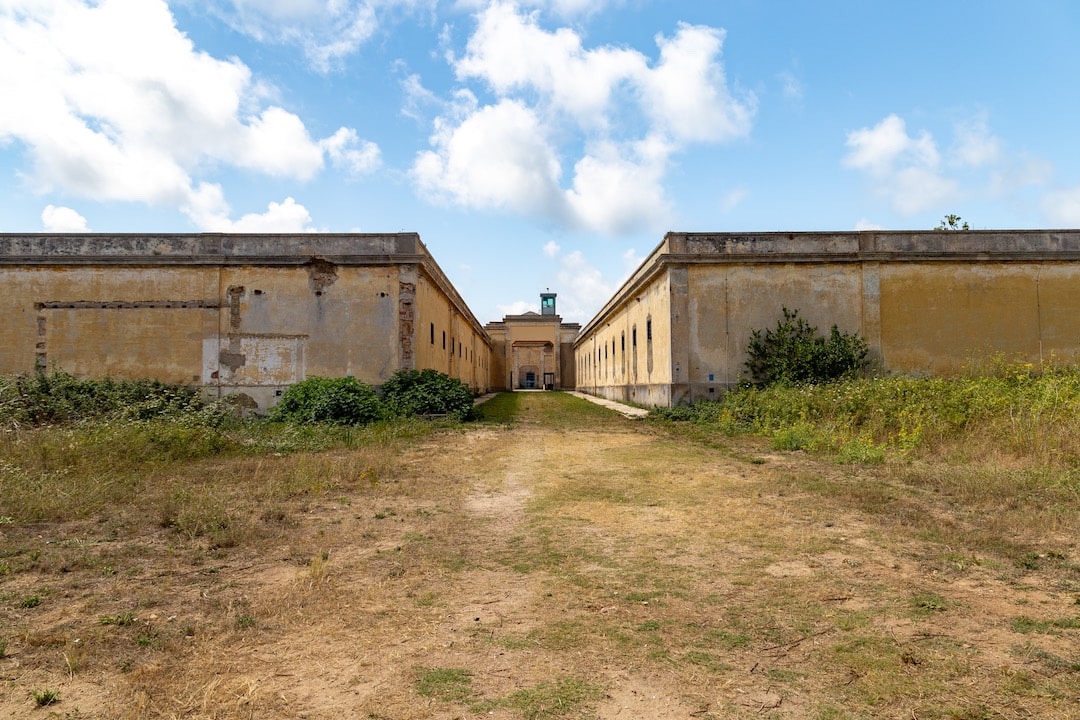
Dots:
{"x": 432, "y": 333}
{"x": 633, "y": 336}
{"x": 443, "y": 339}
{"x": 648, "y": 329}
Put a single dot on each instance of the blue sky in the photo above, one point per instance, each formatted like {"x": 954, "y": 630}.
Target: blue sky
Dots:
{"x": 538, "y": 144}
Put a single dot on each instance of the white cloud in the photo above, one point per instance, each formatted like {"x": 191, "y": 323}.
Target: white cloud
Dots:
{"x": 790, "y": 86}
{"x": 619, "y": 189}
{"x": 417, "y": 97}
{"x": 614, "y": 114}
{"x": 326, "y": 30}
{"x": 497, "y": 157}
{"x": 864, "y": 224}
{"x": 975, "y": 145}
{"x": 631, "y": 261}
{"x": 587, "y": 290}
{"x": 511, "y": 52}
{"x": 687, "y": 93}
{"x": 345, "y": 149}
{"x": 903, "y": 168}
{"x": 113, "y": 102}
{"x": 62, "y": 220}
{"x": 561, "y": 8}
{"x": 1063, "y": 206}
{"x": 915, "y": 176}
{"x": 551, "y": 249}
{"x": 881, "y": 148}
{"x": 210, "y": 213}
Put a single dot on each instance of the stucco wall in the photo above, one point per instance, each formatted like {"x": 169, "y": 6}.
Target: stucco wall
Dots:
{"x": 936, "y": 318}
{"x": 248, "y": 314}
{"x": 928, "y": 303}
{"x": 643, "y": 372}
{"x": 531, "y": 342}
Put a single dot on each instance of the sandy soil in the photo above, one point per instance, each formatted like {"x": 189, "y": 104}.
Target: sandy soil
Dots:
{"x": 671, "y": 581}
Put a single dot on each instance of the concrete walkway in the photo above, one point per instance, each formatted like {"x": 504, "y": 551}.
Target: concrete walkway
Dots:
{"x": 627, "y": 410}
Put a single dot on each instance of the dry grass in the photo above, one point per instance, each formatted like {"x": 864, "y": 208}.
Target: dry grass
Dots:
{"x": 553, "y": 561}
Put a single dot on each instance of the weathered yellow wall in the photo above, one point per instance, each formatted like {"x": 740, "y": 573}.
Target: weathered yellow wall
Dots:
{"x": 728, "y": 302}
{"x": 186, "y": 309}
{"x": 344, "y": 319}
{"x": 937, "y": 318}
{"x": 95, "y": 321}
{"x": 641, "y": 374}
{"x": 929, "y": 303}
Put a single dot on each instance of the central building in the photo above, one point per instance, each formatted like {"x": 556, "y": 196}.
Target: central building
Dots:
{"x": 533, "y": 351}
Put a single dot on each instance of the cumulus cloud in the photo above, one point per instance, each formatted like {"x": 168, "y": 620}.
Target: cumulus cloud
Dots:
{"x": 915, "y": 175}
{"x": 497, "y": 157}
{"x": 906, "y": 169}
{"x": 347, "y": 150}
{"x": 611, "y": 114}
{"x": 619, "y": 188}
{"x": 326, "y": 31}
{"x": 62, "y": 220}
{"x": 113, "y": 102}
{"x": 209, "y": 211}
{"x": 586, "y": 288}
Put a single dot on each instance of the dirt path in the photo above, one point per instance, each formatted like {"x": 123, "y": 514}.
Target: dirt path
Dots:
{"x": 590, "y": 568}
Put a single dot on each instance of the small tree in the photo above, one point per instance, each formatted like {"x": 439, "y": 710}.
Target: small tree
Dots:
{"x": 795, "y": 353}
{"x": 952, "y": 223}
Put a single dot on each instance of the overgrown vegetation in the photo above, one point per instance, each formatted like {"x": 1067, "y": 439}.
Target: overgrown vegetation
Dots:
{"x": 1011, "y": 411}
{"x": 75, "y": 448}
{"x": 795, "y": 353}
{"x": 339, "y": 401}
{"x": 58, "y": 397}
{"x": 426, "y": 393}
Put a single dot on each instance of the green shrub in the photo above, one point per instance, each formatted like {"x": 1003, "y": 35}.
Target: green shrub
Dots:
{"x": 340, "y": 401}
{"x": 427, "y": 392}
{"x": 795, "y": 353}
{"x": 60, "y": 398}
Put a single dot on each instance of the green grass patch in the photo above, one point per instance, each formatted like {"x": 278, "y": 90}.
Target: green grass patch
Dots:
{"x": 445, "y": 684}
{"x": 1025, "y": 625}
{"x": 503, "y": 408}
{"x": 547, "y": 700}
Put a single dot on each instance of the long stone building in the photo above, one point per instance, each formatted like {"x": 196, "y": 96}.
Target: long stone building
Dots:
{"x": 236, "y": 314}
{"x": 251, "y": 314}
{"x": 925, "y": 302}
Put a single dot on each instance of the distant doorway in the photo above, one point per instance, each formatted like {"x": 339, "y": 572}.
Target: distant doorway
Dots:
{"x": 549, "y": 381}
{"x": 529, "y": 381}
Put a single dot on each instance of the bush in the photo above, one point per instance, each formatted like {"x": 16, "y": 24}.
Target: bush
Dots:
{"x": 427, "y": 392}
{"x": 340, "y": 401}
{"x": 795, "y": 353}
{"x": 58, "y": 398}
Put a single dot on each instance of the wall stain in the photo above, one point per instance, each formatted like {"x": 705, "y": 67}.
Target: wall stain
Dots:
{"x": 321, "y": 274}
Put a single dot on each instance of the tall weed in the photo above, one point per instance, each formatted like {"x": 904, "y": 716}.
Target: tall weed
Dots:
{"x": 1016, "y": 413}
